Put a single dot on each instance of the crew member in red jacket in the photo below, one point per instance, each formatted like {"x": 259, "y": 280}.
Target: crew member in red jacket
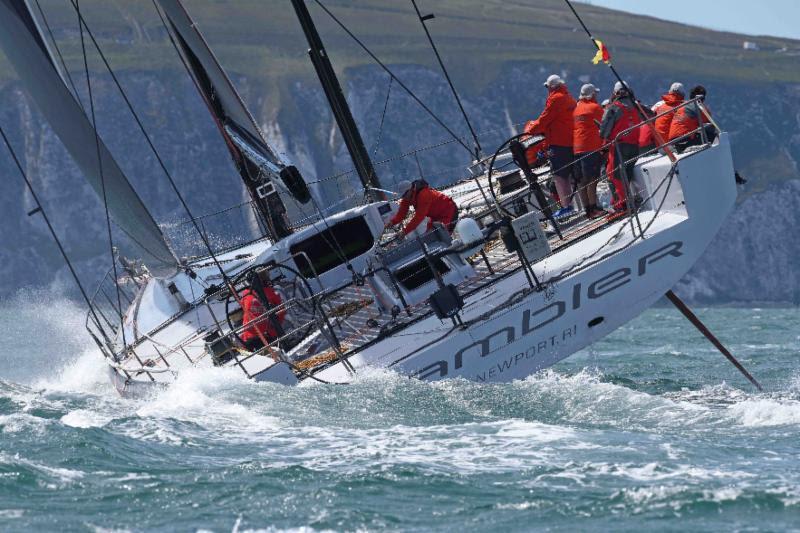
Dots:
{"x": 618, "y": 128}
{"x": 556, "y": 124}
{"x": 427, "y": 202}
{"x": 256, "y": 325}
{"x": 586, "y": 145}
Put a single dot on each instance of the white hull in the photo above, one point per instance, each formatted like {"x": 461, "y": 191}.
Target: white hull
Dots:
{"x": 500, "y": 343}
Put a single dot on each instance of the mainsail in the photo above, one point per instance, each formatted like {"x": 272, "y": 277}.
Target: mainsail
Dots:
{"x": 25, "y": 48}
{"x": 260, "y": 167}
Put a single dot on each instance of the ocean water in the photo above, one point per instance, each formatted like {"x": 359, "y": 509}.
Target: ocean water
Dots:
{"x": 650, "y": 429}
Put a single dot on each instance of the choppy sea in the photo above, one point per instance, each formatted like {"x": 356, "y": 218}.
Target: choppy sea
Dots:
{"x": 651, "y": 429}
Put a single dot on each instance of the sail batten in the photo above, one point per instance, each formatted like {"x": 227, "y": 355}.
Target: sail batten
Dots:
{"x": 25, "y": 47}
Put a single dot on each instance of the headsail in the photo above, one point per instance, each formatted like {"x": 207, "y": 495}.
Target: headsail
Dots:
{"x": 25, "y": 48}
{"x": 260, "y": 167}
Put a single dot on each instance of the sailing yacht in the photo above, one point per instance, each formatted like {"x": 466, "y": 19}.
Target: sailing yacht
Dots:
{"x": 512, "y": 291}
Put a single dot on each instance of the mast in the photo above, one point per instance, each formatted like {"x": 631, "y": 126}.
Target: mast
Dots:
{"x": 338, "y": 103}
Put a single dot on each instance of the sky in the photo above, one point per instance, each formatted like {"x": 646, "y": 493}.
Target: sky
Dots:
{"x": 779, "y": 18}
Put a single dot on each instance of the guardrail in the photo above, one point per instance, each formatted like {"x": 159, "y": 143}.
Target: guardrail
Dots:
{"x": 340, "y": 321}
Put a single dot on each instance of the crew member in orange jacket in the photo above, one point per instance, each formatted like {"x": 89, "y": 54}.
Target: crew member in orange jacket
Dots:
{"x": 685, "y": 126}
{"x": 586, "y": 145}
{"x": 668, "y": 102}
{"x": 427, "y": 202}
{"x": 256, "y": 325}
{"x": 556, "y": 124}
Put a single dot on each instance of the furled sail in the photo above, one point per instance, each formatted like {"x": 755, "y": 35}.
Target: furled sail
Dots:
{"x": 260, "y": 167}
{"x": 25, "y": 48}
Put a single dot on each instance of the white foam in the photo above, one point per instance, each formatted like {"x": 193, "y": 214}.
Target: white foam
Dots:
{"x": 22, "y": 422}
{"x": 766, "y": 412}
{"x": 83, "y": 418}
{"x": 210, "y": 398}
{"x": 62, "y": 475}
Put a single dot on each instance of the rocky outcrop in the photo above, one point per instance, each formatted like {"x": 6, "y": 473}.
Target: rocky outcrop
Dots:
{"x": 751, "y": 260}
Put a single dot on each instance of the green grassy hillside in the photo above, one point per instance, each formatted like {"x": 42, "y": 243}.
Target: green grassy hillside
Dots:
{"x": 262, "y": 39}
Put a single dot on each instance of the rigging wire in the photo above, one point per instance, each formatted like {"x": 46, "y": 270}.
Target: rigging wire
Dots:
{"x": 636, "y": 104}
{"x": 102, "y": 174}
{"x": 422, "y": 20}
{"x": 379, "y": 137}
{"x": 52, "y": 231}
{"x": 148, "y": 140}
{"x": 392, "y": 74}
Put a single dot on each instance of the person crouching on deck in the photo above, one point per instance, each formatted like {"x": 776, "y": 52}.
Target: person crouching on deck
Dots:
{"x": 427, "y": 202}
{"x": 257, "y": 327}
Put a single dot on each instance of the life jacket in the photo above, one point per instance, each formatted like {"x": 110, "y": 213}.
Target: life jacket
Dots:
{"x": 668, "y": 102}
{"x": 687, "y": 119}
{"x": 556, "y": 122}
{"x": 253, "y": 309}
{"x": 586, "y": 132}
{"x": 628, "y": 118}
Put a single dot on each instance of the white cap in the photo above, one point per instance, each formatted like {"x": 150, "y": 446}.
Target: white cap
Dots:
{"x": 605, "y": 102}
{"x": 677, "y": 88}
{"x": 619, "y": 87}
{"x": 403, "y": 186}
{"x": 554, "y": 80}
{"x": 589, "y": 90}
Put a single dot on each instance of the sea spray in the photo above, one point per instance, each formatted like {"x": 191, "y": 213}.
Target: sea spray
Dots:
{"x": 655, "y": 427}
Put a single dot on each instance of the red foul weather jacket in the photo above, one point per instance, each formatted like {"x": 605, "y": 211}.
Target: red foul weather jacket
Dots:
{"x": 253, "y": 309}
{"x": 556, "y": 121}
{"x": 426, "y": 202}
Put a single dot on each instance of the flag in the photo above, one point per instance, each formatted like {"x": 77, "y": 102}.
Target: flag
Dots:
{"x": 602, "y": 53}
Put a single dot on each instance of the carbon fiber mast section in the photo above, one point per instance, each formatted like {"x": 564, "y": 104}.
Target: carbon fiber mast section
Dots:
{"x": 25, "y": 48}
{"x": 259, "y": 166}
{"x": 338, "y": 104}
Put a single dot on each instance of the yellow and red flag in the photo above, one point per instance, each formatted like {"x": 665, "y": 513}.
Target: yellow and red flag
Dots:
{"x": 602, "y": 53}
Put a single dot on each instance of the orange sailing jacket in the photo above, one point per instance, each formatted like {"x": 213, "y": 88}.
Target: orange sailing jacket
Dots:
{"x": 555, "y": 122}
{"x": 687, "y": 119}
{"x": 668, "y": 102}
{"x": 586, "y": 132}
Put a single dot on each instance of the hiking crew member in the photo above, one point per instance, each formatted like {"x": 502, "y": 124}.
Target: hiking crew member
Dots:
{"x": 556, "y": 123}
{"x": 255, "y": 324}
{"x": 621, "y": 116}
{"x": 687, "y": 123}
{"x": 586, "y": 145}
{"x": 427, "y": 202}
{"x": 668, "y": 102}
